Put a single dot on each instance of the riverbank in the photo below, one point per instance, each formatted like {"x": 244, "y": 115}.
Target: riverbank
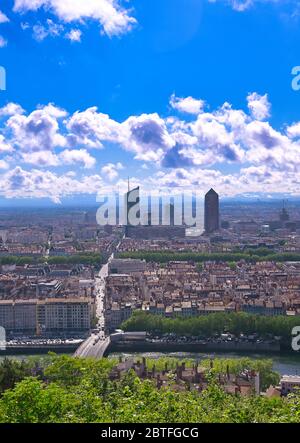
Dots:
{"x": 160, "y": 346}
{"x": 284, "y": 364}
{"x": 128, "y": 346}
{"x": 35, "y": 349}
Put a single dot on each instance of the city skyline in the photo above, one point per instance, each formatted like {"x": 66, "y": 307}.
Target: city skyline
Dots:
{"x": 159, "y": 99}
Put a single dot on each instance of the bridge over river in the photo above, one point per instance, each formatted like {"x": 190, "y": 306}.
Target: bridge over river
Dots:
{"x": 98, "y": 342}
{"x": 94, "y": 346}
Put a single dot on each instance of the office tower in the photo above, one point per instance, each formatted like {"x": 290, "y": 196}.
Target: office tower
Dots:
{"x": 211, "y": 216}
{"x": 284, "y": 215}
{"x": 167, "y": 217}
{"x": 132, "y": 199}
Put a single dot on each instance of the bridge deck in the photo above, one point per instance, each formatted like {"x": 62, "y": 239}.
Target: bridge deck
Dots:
{"x": 91, "y": 349}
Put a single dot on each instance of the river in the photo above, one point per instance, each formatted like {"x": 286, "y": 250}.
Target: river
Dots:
{"x": 285, "y": 364}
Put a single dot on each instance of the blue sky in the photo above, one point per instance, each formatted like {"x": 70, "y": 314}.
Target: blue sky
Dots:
{"x": 178, "y": 95}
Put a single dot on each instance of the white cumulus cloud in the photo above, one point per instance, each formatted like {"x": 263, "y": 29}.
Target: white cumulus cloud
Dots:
{"x": 111, "y": 170}
{"x": 74, "y": 35}
{"x": 112, "y": 17}
{"x": 259, "y": 106}
{"x": 39, "y": 131}
{"x": 3, "y": 18}
{"x": 189, "y": 105}
{"x": 81, "y": 156}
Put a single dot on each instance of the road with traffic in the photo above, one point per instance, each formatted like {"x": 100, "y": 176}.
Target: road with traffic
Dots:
{"x": 96, "y": 344}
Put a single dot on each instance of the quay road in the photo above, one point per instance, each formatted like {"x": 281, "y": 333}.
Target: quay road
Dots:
{"x": 97, "y": 343}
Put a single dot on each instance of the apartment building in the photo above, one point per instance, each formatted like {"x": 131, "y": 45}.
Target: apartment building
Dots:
{"x": 48, "y": 315}
{"x": 6, "y": 314}
{"x": 65, "y": 314}
{"x": 117, "y": 313}
{"x": 127, "y": 266}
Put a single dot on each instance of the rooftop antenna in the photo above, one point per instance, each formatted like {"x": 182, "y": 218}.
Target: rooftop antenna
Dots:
{"x": 128, "y": 184}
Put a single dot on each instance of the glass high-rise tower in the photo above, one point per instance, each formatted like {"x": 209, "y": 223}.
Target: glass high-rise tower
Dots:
{"x": 211, "y": 215}
{"x": 132, "y": 203}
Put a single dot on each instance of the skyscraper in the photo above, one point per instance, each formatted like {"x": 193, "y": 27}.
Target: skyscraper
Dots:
{"x": 211, "y": 216}
{"x": 132, "y": 207}
{"x": 284, "y": 215}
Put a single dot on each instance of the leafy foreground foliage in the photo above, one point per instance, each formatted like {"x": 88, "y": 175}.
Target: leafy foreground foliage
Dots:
{"x": 70, "y": 390}
{"x": 208, "y": 325}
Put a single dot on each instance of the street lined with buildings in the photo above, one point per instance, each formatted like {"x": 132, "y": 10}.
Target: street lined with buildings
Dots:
{"x": 97, "y": 343}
